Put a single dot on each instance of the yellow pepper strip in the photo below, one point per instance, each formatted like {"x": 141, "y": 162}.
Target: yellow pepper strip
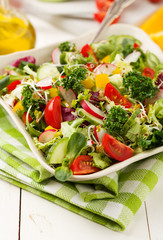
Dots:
{"x": 116, "y": 71}
{"x": 88, "y": 83}
{"x": 106, "y": 59}
{"x": 18, "y": 107}
{"x": 101, "y": 81}
{"x": 53, "y": 92}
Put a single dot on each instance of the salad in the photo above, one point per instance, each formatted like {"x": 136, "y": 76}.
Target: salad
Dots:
{"x": 89, "y": 108}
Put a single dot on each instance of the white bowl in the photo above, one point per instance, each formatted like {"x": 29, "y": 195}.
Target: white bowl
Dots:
{"x": 44, "y": 54}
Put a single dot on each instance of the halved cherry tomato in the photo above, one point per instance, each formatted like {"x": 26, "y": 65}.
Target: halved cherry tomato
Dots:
{"x": 83, "y": 165}
{"x": 114, "y": 95}
{"x": 149, "y": 72}
{"x": 13, "y": 85}
{"x": 24, "y": 118}
{"x": 53, "y": 116}
{"x": 86, "y": 49}
{"x": 91, "y": 66}
{"x": 99, "y": 16}
{"x": 116, "y": 149}
{"x": 104, "y": 5}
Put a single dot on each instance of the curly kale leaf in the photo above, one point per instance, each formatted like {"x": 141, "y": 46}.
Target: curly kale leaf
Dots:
{"x": 139, "y": 87}
{"x": 67, "y": 47}
{"x": 29, "y": 100}
{"x": 74, "y": 78}
{"x": 155, "y": 140}
{"x": 115, "y": 121}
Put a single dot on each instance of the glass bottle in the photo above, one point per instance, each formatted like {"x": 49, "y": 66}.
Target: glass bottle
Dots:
{"x": 16, "y": 31}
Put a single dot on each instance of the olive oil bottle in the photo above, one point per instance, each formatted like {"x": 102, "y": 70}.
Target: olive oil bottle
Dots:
{"x": 16, "y": 31}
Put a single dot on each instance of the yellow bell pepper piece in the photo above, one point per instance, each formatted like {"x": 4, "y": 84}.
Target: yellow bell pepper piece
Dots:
{"x": 106, "y": 59}
{"x": 49, "y": 128}
{"x": 101, "y": 81}
{"x": 18, "y": 107}
{"x": 88, "y": 83}
{"x": 53, "y": 92}
{"x": 116, "y": 71}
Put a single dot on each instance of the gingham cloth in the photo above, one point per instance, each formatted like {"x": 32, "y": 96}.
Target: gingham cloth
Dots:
{"x": 112, "y": 200}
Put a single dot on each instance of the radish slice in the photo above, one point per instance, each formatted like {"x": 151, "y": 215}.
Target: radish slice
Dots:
{"x": 68, "y": 95}
{"x": 105, "y": 68}
{"x": 159, "y": 95}
{"x": 29, "y": 59}
{"x": 56, "y": 56}
{"x": 133, "y": 57}
{"x": 47, "y": 136}
{"x": 90, "y": 108}
{"x": 45, "y": 83}
{"x": 99, "y": 134}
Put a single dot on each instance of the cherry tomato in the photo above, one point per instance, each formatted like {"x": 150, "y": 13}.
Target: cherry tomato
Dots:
{"x": 86, "y": 50}
{"x": 114, "y": 95}
{"x": 99, "y": 16}
{"x": 116, "y": 149}
{"x": 104, "y": 5}
{"x": 53, "y": 116}
{"x": 91, "y": 66}
{"x": 13, "y": 85}
{"x": 24, "y": 118}
{"x": 149, "y": 72}
{"x": 83, "y": 165}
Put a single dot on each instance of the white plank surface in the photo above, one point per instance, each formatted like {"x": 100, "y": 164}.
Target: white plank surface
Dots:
{"x": 43, "y": 220}
{"x": 155, "y": 211}
{"x": 9, "y": 211}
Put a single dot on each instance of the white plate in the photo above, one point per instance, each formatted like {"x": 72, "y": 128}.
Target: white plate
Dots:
{"x": 43, "y": 55}
{"x": 67, "y": 7}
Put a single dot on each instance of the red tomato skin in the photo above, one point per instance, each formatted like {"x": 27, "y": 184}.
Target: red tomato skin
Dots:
{"x": 116, "y": 149}
{"x": 99, "y": 16}
{"x": 13, "y": 85}
{"x": 114, "y": 95}
{"x": 83, "y": 165}
{"x": 24, "y": 118}
{"x": 91, "y": 66}
{"x": 148, "y": 72}
{"x": 104, "y": 5}
{"x": 53, "y": 116}
{"x": 136, "y": 46}
{"x": 86, "y": 49}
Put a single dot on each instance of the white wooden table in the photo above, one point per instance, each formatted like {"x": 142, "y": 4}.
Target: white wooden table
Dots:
{"x": 24, "y": 216}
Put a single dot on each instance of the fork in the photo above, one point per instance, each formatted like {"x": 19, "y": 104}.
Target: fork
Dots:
{"x": 113, "y": 12}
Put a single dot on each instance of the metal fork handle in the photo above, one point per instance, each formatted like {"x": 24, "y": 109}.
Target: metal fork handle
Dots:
{"x": 113, "y": 12}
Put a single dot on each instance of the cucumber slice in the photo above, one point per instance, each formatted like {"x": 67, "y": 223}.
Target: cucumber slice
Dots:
{"x": 130, "y": 121}
{"x": 57, "y": 152}
{"x": 47, "y": 70}
{"x": 88, "y": 117}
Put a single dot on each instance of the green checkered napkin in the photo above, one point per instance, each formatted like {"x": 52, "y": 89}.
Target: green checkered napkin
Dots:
{"x": 111, "y": 201}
